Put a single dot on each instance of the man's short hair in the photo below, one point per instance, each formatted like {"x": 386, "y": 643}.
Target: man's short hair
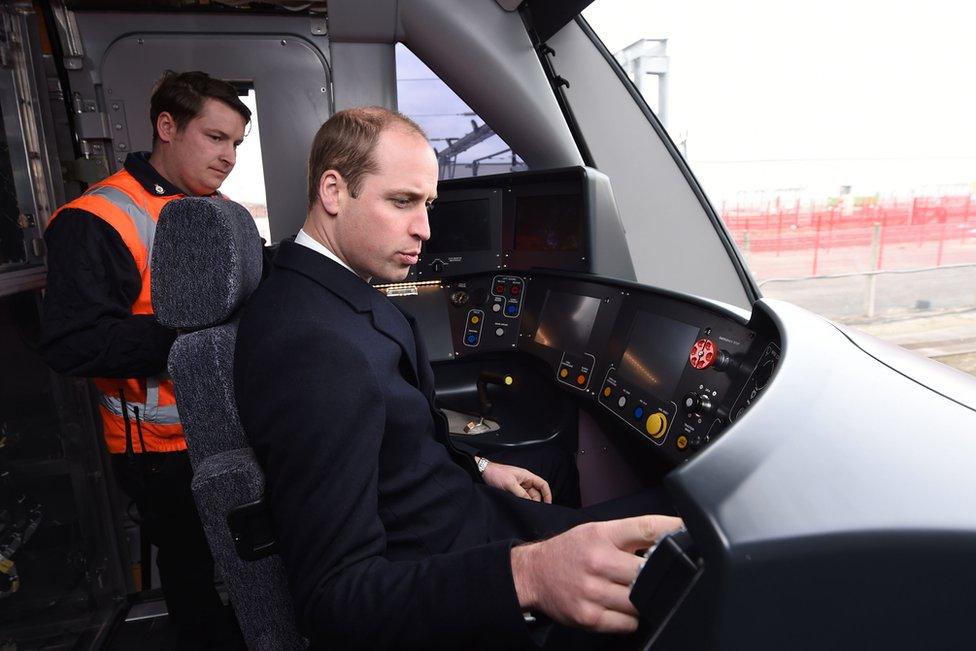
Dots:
{"x": 183, "y": 94}
{"x": 346, "y": 142}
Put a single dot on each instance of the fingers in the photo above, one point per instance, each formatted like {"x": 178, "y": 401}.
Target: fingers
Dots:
{"x": 621, "y": 568}
{"x": 609, "y": 609}
{"x": 631, "y": 534}
{"x": 516, "y": 489}
{"x": 534, "y": 493}
{"x": 531, "y": 481}
{"x": 546, "y": 493}
{"x": 611, "y": 621}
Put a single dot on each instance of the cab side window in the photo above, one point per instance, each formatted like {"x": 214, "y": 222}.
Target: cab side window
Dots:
{"x": 245, "y": 183}
{"x": 465, "y": 144}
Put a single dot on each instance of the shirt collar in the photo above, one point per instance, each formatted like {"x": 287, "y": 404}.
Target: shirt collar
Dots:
{"x": 137, "y": 164}
{"x": 308, "y": 241}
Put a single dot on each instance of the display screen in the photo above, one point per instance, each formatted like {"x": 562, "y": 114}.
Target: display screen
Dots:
{"x": 657, "y": 352}
{"x": 566, "y": 321}
{"x": 549, "y": 223}
{"x": 459, "y": 227}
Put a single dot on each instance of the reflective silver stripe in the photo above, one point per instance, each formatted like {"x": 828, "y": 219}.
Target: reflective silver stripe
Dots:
{"x": 152, "y": 395}
{"x": 165, "y": 415}
{"x": 140, "y": 217}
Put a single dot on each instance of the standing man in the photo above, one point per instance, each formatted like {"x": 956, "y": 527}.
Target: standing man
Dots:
{"x": 98, "y": 322}
{"x": 390, "y": 536}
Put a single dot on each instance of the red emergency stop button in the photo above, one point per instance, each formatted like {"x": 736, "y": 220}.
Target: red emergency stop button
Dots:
{"x": 581, "y": 379}
{"x": 703, "y": 354}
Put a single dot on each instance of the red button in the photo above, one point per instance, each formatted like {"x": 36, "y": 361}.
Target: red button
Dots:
{"x": 499, "y": 288}
{"x": 702, "y": 354}
{"x": 516, "y": 290}
{"x": 581, "y": 379}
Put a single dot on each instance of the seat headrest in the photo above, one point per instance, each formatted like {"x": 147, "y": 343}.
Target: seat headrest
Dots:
{"x": 206, "y": 261}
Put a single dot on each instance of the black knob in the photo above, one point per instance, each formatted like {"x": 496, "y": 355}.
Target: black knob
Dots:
{"x": 697, "y": 403}
{"x": 459, "y": 298}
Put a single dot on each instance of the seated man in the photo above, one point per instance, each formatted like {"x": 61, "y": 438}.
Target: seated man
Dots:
{"x": 390, "y": 536}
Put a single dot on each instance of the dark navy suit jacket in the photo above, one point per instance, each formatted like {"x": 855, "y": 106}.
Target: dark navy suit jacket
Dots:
{"x": 388, "y": 535}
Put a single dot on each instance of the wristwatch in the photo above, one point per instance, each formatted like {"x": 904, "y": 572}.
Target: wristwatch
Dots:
{"x": 482, "y": 464}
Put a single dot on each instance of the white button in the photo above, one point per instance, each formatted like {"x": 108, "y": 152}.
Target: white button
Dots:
{"x": 499, "y": 332}
{"x": 496, "y": 308}
{"x": 622, "y": 401}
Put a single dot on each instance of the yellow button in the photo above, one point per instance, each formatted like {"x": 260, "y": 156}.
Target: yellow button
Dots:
{"x": 563, "y": 372}
{"x": 607, "y": 391}
{"x": 474, "y": 318}
{"x": 682, "y": 442}
{"x": 509, "y": 380}
{"x": 656, "y": 425}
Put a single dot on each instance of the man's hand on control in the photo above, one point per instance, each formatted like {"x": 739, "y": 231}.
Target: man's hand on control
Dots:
{"x": 582, "y": 577}
{"x": 517, "y": 481}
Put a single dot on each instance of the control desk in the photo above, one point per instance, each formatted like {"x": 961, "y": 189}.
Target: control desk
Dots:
{"x": 508, "y": 274}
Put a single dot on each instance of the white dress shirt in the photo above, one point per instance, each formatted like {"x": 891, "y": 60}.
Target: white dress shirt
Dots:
{"x": 308, "y": 241}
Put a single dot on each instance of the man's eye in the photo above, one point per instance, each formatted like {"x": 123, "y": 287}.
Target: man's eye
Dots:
{"x": 215, "y": 138}
{"x": 400, "y": 203}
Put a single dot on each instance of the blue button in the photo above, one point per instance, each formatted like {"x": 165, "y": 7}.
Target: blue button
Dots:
{"x": 472, "y": 339}
{"x": 639, "y": 413}
{"x": 511, "y": 309}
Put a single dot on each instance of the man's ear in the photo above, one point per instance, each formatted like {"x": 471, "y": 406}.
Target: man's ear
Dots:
{"x": 166, "y": 126}
{"x": 332, "y": 187}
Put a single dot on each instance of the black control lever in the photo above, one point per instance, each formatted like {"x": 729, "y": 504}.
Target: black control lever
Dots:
{"x": 484, "y": 380}
{"x": 671, "y": 568}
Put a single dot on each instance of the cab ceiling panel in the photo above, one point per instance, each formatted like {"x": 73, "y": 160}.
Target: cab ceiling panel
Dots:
{"x": 282, "y": 58}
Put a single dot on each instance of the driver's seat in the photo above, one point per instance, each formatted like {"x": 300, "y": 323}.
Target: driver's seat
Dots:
{"x": 206, "y": 261}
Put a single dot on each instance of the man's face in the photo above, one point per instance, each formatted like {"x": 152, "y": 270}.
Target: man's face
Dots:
{"x": 205, "y": 150}
{"x": 379, "y": 232}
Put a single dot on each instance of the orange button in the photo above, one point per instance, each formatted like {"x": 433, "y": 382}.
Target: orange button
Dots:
{"x": 682, "y": 442}
{"x": 563, "y": 372}
{"x": 607, "y": 391}
{"x": 581, "y": 379}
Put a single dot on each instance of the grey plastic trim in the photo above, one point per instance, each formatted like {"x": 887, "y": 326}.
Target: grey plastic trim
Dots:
{"x": 748, "y": 282}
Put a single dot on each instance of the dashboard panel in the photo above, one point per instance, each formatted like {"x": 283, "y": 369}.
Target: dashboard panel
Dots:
{"x": 672, "y": 371}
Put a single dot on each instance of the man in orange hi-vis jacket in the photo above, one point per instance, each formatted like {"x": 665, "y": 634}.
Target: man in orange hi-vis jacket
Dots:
{"x": 98, "y": 322}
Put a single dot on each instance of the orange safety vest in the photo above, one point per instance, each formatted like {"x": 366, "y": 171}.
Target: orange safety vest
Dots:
{"x": 122, "y": 202}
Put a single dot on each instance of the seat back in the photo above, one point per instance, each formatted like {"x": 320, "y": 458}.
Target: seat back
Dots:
{"x": 206, "y": 261}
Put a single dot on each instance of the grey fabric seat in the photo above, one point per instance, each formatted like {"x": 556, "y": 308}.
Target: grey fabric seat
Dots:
{"x": 206, "y": 260}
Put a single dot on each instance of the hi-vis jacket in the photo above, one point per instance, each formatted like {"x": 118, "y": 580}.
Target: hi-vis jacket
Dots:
{"x": 137, "y": 412}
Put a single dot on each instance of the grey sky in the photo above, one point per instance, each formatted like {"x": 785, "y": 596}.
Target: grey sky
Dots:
{"x": 869, "y": 93}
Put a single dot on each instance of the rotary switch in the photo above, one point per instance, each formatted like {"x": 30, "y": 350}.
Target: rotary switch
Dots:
{"x": 697, "y": 403}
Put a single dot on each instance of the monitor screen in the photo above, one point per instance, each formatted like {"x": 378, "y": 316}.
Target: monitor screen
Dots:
{"x": 549, "y": 223}
{"x": 566, "y": 321}
{"x": 657, "y": 352}
{"x": 459, "y": 227}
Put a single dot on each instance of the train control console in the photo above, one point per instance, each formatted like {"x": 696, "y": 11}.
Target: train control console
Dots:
{"x": 671, "y": 370}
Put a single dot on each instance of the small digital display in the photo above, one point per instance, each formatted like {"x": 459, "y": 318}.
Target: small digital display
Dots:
{"x": 566, "y": 321}
{"x": 657, "y": 352}
{"x": 549, "y": 223}
{"x": 459, "y": 227}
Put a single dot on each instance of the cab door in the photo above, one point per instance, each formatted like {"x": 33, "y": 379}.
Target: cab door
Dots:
{"x": 281, "y": 60}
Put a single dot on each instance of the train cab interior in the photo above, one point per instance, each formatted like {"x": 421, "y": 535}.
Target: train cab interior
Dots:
{"x": 585, "y": 295}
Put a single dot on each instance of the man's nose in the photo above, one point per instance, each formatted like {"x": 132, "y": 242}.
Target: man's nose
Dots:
{"x": 229, "y": 155}
{"x": 421, "y": 226}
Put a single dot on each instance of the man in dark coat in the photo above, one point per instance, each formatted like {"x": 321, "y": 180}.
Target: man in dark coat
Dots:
{"x": 391, "y": 537}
